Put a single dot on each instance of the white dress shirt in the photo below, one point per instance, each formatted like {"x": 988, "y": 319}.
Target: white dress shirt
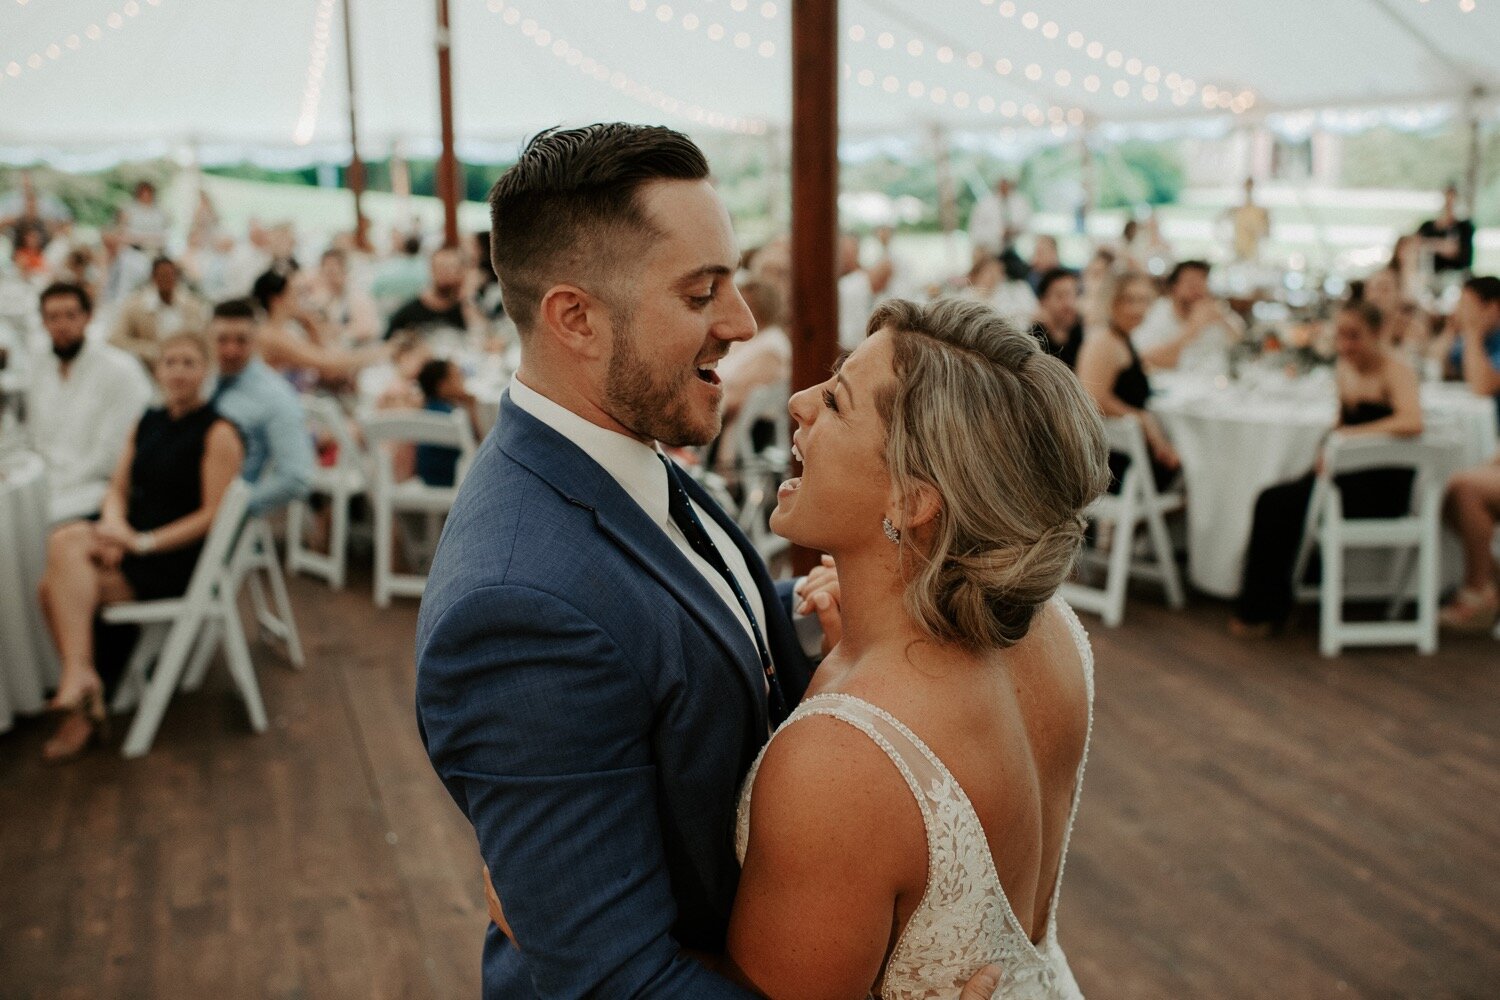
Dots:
{"x": 638, "y": 469}
{"x": 80, "y": 423}
{"x": 1205, "y": 355}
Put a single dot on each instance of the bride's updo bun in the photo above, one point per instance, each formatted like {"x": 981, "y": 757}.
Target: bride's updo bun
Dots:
{"x": 1014, "y": 448}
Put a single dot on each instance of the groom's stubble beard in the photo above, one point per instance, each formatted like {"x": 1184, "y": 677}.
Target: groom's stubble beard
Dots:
{"x": 651, "y": 403}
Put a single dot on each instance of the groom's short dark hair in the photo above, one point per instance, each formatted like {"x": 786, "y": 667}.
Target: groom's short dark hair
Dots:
{"x": 568, "y": 209}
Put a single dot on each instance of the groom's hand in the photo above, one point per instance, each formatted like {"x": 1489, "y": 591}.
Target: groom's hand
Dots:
{"x": 984, "y": 984}
{"x": 818, "y": 593}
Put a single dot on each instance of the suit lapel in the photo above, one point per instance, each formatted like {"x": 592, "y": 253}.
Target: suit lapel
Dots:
{"x": 582, "y": 482}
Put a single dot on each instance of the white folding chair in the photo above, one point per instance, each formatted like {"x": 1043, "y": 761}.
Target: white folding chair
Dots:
{"x": 345, "y": 480}
{"x": 1414, "y": 537}
{"x": 382, "y": 430}
{"x": 171, "y": 627}
{"x": 1138, "y": 503}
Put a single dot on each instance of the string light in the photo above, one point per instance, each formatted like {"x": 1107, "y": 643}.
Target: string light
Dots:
{"x": 1060, "y": 118}
{"x": 312, "y": 90}
{"x": 569, "y": 54}
{"x": 73, "y": 41}
{"x": 716, "y": 31}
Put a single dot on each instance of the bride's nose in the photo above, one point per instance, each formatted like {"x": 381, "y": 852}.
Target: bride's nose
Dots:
{"x": 803, "y": 406}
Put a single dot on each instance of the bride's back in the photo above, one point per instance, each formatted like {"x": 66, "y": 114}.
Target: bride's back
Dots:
{"x": 1012, "y": 726}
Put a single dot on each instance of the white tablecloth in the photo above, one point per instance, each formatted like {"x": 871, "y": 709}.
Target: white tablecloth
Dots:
{"x": 1237, "y": 439}
{"x": 28, "y": 664}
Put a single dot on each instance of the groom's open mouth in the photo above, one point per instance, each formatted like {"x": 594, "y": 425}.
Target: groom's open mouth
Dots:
{"x": 709, "y": 372}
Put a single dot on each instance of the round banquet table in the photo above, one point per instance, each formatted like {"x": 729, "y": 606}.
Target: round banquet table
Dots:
{"x": 28, "y": 665}
{"x": 1236, "y": 439}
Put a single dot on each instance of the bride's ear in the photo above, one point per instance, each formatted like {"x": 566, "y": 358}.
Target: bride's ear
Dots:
{"x": 919, "y": 507}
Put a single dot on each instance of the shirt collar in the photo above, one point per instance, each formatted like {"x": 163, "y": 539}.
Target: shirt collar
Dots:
{"x": 635, "y": 466}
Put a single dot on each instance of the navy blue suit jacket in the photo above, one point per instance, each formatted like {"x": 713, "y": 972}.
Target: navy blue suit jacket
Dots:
{"x": 592, "y": 705}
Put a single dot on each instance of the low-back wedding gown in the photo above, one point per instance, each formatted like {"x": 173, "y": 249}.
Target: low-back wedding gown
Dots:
{"x": 964, "y": 920}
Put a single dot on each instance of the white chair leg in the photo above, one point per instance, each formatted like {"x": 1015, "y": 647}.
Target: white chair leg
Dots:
{"x": 133, "y": 683}
{"x": 203, "y": 655}
{"x": 1403, "y": 563}
{"x": 338, "y": 539}
{"x": 241, "y": 668}
{"x": 383, "y": 543}
{"x": 1427, "y": 586}
{"x": 1121, "y": 551}
{"x": 286, "y": 624}
{"x": 1331, "y": 597}
{"x": 1166, "y": 559}
{"x": 294, "y": 517}
{"x": 159, "y": 690}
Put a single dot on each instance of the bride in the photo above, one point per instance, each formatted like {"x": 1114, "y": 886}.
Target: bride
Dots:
{"x": 909, "y": 823}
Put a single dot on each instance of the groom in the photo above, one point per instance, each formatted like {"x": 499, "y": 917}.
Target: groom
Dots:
{"x": 600, "y": 652}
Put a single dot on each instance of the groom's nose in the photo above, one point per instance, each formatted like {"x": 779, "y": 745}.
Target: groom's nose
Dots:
{"x": 738, "y": 322}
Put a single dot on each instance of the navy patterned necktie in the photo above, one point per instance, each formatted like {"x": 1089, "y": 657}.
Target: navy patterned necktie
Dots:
{"x": 683, "y": 515}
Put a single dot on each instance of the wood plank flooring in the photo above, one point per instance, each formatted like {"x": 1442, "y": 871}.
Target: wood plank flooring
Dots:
{"x": 1256, "y": 822}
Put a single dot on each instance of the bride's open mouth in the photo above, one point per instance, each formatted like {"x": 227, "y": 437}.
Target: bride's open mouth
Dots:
{"x": 788, "y": 488}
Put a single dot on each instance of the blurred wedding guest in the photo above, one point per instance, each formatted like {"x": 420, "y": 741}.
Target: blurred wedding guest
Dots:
{"x": 1378, "y": 393}
{"x": 410, "y": 354}
{"x": 1111, "y": 371}
{"x": 487, "y": 284}
{"x": 998, "y": 219}
{"x": 347, "y": 313}
{"x": 403, "y": 275}
{"x": 1406, "y": 264}
{"x": 278, "y": 450}
{"x": 1449, "y": 238}
{"x": 1250, "y": 225}
{"x": 84, "y": 398}
{"x": 1472, "y": 506}
{"x": 28, "y": 208}
{"x": 28, "y": 252}
{"x": 443, "y": 391}
{"x": 1044, "y": 260}
{"x": 1406, "y": 327}
{"x": 290, "y": 337}
{"x": 1187, "y": 327}
{"x": 226, "y": 268}
{"x": 1009, "y": 296}
{"x": 176, "y": 464}
{"x": 164, "y": 307}
{"x": 1058, "y": 325}
{"x": 80, "y": 267}
{"x": 141, "y": 222}
{"x": 1098, "y": 280}
{"x": 444, "y": 304}
{"x": 764, "y": 359}
{"x": 859, "y": 287}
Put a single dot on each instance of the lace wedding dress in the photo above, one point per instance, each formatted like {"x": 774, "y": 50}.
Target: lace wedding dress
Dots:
{"x": 964, "y": 920}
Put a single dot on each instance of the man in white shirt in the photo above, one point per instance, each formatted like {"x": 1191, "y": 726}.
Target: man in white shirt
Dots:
{"x": 1187, "y": 327}
{"x": 163, "y": 307}
{"x": 84, "y": 402}
{"x": 998, "y": 219}
{"x": 859, "y": 288}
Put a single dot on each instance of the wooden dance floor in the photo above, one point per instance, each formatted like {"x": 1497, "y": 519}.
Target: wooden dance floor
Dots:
{"x": 1256, "y": 822}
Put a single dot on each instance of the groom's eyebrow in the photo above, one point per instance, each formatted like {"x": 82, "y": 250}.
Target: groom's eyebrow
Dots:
{"x": 706, "y": 271}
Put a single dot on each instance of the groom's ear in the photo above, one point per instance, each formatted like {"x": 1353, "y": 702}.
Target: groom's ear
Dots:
{"x": 575, "y": 320}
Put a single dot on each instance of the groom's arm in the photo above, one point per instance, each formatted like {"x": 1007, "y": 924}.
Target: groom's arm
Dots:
{"x": 539, "y": 728}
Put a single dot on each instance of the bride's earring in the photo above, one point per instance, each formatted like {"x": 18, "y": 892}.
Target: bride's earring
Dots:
{"x": 891, "y": 531}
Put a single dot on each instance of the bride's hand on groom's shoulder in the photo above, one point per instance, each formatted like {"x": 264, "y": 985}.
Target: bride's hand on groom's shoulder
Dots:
{"x": 818, "y": 593}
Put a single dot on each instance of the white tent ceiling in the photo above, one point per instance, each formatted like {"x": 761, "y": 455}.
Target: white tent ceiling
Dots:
{"x": 233, "y": 76}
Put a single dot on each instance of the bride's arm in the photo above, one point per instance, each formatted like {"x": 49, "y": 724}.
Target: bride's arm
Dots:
{"x": 836, "y": 840}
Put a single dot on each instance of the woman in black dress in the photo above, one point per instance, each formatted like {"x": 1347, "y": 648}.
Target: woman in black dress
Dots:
{"x": 161, "y": 502}
{"x": 1111, "y": 371}
{"x": 1378, "y": 394}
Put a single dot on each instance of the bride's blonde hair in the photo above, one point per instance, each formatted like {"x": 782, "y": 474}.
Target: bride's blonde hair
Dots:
{"x": 1015, "y": 450}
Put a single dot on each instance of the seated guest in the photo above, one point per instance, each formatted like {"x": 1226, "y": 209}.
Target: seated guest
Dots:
{"x": 1058, "y": 326}
{"x": 1473, "y": 501}
{"x": 161, "y": 502}
{"x": 1098, "y": 280}
{"x": 346, "y": 313}
{"x": 443, "y": 391}
{"x": 162, "y": 308}
{"x": 291, "y": 338}
{"x": 1044, "y": 260}
{"x": 859, "y": 288}
{"x": 402, "y": 275}
{"x": 263, "y": 406}
{"x": 1379, "y": 393}
{"x": 1406, "y": 326}
{"x": 444, "y": 304}
{"x": 28, "y": 253}
{"x": 765, "y": 359}
{"x": 1187, "y": 326}
{"x": 84, "y": 398}
{"x": 1111, "y": 371}
{"x": 990, "y": 283}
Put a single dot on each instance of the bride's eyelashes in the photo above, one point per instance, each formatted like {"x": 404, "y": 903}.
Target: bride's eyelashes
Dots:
{"x": 830, "y": 400}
